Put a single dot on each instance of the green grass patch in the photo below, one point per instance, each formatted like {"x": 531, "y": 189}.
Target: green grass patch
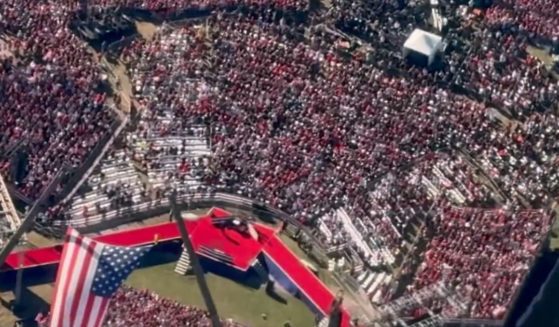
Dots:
{"x": 233, "y": 300}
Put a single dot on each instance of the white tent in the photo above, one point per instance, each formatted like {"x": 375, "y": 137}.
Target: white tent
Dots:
{"x": 423, "y": 44}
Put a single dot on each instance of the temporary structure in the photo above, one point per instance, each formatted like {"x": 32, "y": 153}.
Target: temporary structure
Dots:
{"x": 422, "y": 47}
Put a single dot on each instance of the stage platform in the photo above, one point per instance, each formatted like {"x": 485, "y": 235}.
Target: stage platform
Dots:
{"x": 242, "y": 249}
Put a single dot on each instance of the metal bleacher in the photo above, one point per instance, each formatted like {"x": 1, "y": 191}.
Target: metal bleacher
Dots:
{"x": 9, "y": 219}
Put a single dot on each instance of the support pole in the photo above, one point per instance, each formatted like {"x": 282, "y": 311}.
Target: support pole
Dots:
{"x": 198, "y": 272}
{"x": 19, "y": 280}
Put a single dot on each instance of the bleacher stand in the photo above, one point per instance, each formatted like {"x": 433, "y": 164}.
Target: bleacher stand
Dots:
{"x": 114, "y": 188}
{"x": 368, "y": 151}
{"x": 171, "y": 159}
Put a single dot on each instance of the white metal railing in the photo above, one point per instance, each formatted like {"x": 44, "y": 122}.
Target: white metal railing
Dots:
{"x": 8, "y": 206}
{"x": 153, "y": 204}
{"x": 361, "y": 242}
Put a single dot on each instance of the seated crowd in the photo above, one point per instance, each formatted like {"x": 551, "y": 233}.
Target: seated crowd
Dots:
{"x": 538, "y": 18}
{"x": 290, "y": 116}
{"x": 52, "y": 108}
{"x": 385, "y": 24}
{"x": 142, "y": 308}
{"x": 53, "y": 105}
{"x": 486, "y": 54}
{"x": 293, "y": 122}
{"x": 170, "y": 6}
{"x": 484, "y": 253}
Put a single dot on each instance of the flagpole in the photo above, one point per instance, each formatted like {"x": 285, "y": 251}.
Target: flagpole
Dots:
{"x": 19, "y": 279}
{"x": 198, "y": 272}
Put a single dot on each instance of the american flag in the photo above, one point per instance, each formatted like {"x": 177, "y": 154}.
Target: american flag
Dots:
{"x": 89, "y": 273}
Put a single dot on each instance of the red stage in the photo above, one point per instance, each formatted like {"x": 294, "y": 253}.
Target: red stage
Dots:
{"x": 202, "y": 233}
{"x": 242, "y": 249}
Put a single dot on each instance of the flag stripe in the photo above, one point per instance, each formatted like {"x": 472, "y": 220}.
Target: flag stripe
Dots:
{"x": 100, "y": 305}
{"x": 73, "y": 282}
{"x": 90, "y": 296}
{"x": 89, "y": 309}
{"x": 83, "y": 290}
{"x": 68, "y": 264}
{"x": 59, "y": 272}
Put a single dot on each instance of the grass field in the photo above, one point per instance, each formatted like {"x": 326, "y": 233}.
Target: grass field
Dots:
{"x": 242, "y": 303}
{"x": 6, "y": 318}
{"x": 233, "y": 300}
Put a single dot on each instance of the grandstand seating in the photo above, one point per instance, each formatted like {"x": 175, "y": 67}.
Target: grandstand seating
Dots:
{"x": 372, "y": 284}
{"x": 172, "y": 160}
{"x": 501, "y": 244}
{"x": 385, "y": 201}
{"x": 455, "y": 180}
{"x": 49, "y": 88}
{"x": 366, "y": 151}
{"x": 116, "y": 185}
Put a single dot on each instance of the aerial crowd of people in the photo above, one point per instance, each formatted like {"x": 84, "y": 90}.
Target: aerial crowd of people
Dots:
{"x": 464, "y": 154}
{"x": 536, "y": 18}
{"x": 289, "y": 116}
{"x": 53, "y": 108}
{"x": 485, "y": 252}
{"x": 143, "y": 308}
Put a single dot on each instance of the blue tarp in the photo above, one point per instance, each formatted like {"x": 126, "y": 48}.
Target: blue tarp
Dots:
{"x": 283, "y": 279}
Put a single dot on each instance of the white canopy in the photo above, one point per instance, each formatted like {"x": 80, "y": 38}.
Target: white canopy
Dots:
{"x": 425, "y": 43}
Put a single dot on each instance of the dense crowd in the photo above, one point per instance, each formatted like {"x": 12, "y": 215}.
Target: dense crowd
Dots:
{"x": 306, "y": 128}
{"x": 538, "y": 18}
{"x": 172, "y": 6}
{"x": 142, "y": 308}
{"x": 486, "y": 253}
{"x": 55, "y": 86}
{"x": 289, "y": 116}
{"x": 52, "y": 107}
{"x": 385, "y": 24}
{"x": 497, "y": 64}
{"x": 486, "y": 54}
{"x": 259, "y": 131}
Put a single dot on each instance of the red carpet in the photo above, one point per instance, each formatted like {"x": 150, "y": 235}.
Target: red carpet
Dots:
{"x": 307, "y": 282}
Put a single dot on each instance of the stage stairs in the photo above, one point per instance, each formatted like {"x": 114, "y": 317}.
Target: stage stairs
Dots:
{"x": 183, "y": 266}
{"x": 324, "y": 322}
